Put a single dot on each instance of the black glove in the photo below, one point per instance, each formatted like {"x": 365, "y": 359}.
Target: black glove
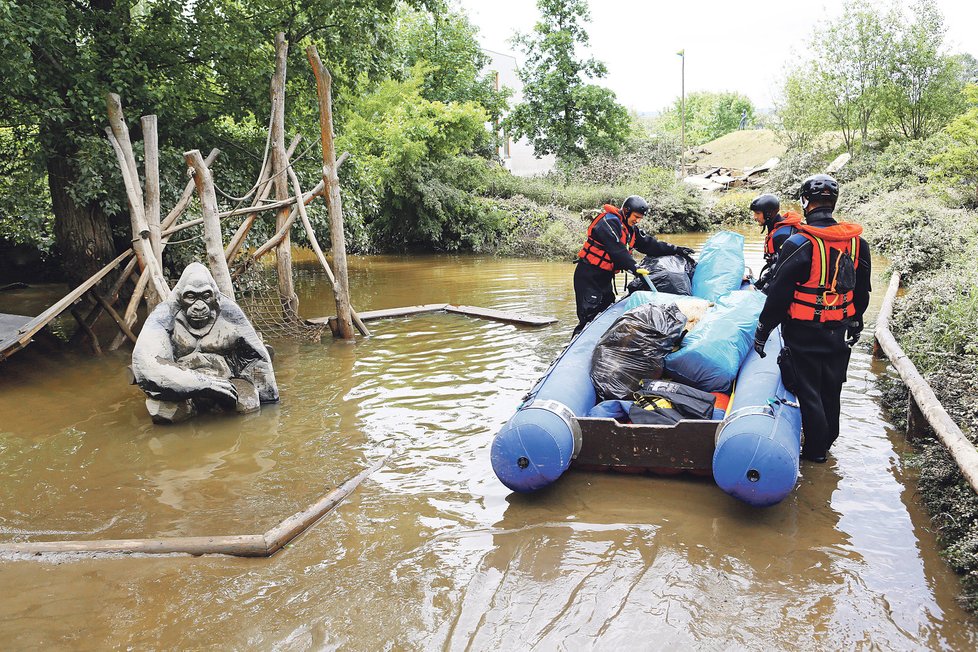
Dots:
{"x": 760, "y": 339}
{"x": 853, "y": 330}
{"x": 685, "y": 251}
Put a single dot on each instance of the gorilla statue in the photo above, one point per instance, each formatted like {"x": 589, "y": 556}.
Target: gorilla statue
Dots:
{"x": 197, "y": 350}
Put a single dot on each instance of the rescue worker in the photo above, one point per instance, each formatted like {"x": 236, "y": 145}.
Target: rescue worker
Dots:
{"x": 607, "y": 249}
{"x": 818, "y": 293}
{"x": 767, "y": 213}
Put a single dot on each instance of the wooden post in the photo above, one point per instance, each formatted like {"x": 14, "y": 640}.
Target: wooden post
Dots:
{"x": 286, "y": 289}
{"x": 212, "y": 224}
{"x": 319, "y": 253}
{"x": 334, "y": 204}
{"x": 118, "y": 134}
{"x": 151, "y": 148}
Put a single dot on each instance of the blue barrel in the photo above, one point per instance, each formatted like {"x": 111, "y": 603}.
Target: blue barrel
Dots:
{"x": 756, "y": 457}
{"x": 537, "y": 444}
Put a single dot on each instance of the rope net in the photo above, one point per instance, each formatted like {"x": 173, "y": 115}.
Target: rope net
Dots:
{"x": 256, "y": 290}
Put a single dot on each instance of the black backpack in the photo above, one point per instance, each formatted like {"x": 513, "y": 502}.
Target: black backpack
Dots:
{"x": 663, "y": 402}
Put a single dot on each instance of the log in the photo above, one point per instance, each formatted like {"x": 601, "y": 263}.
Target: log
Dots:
{"x": 120, "y": 322}
{"x": 130, "y": 315}
{"x": 334, "y": 202}
{"x": 961, "y": 449}
{"x": 299, "y": 522}
{"x": 248, "y": 545}
{"x": 283, "y": 251}
{"x": 311, "y": 234}
{"x": 151, "y": 168}
{"x": 92, "y": 338}
{"x": 212, "y": 224}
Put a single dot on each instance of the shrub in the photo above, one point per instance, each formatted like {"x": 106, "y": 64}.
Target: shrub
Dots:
{"x": 785, "y": 179}
{"x": 637, "y": 155}
{"x": 732, "y": 208}
{"x": 531, "y": 230}
{"x": 916, "y": 230}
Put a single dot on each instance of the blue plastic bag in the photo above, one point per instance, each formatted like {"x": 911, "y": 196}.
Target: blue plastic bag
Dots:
{"x": 720, "y": 268}
{"x": 713, "y": 351}
{"x": 613, "y": 409}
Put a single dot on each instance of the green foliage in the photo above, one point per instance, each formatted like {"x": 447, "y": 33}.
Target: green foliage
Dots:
{"x": 407, "y": 149}
{"x": 25, "y": 215}
{"x": 958, "y": 162}
{"x": 535, "y": 231}
{"x": 445, "y": 43}
{"x": 785, "y": 179}
{"x": 803, "y": 113}
{"x": 637, "y": 155}
{"x": 562, "y": 114}
{"x": 708, "y": 116}
{"x": 915, "y": 230}
{"x": 921, "y": 92}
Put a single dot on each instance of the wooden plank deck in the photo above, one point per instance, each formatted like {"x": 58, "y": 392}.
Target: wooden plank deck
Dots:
{"x": 12, "y": 342}
{"x": 471, "y": 311}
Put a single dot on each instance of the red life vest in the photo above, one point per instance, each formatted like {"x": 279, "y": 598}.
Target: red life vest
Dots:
{"x": 817, "y": 299}
{"x": 593, "y": 252}
{"x": 790, "y": 219}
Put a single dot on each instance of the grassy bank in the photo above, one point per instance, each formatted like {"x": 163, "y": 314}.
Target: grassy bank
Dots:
{"x": 930, "y": 234}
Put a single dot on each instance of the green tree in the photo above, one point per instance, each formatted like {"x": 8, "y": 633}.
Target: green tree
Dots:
{"x": 708, "y": 115}
{"x": 404, "y": 143}
{"x": 958, "y": 163}
{"x": 923, "y": 86}
{"x": 561, "y": 113}
{"x": 850, "y": 65}
{"x": 200, "y": 66}
{"x": 802, "y": 113}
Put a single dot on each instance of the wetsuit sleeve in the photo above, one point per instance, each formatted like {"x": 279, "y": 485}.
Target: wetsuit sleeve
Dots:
{"x": 864, "y": 275}
{"x": 652, "y": 247}
{"x": 608, "y": 233}
{"x": 793, "y": 267}
{"x": 779, "y": 237}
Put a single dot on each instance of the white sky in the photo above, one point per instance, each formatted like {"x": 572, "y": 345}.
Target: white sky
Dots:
{"x": 730, "y": 45}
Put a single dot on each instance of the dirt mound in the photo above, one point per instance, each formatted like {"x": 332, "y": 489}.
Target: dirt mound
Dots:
{"x": 737, "y": 150}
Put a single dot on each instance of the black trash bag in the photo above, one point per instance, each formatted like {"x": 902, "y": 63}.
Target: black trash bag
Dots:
{"x": 673, "y": 274}
{"x": 635, "y": 347}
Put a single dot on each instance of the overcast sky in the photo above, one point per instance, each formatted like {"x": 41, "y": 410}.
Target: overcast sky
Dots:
{"x": 730, "y": 46}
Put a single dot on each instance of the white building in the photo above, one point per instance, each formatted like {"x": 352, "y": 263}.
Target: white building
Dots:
{"x": 517, "y": 156}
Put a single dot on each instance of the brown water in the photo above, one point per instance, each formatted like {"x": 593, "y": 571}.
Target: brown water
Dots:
{"x": 432, "y": 552}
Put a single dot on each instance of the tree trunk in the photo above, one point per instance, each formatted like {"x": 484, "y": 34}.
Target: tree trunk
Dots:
{"x": 82, "y": 233}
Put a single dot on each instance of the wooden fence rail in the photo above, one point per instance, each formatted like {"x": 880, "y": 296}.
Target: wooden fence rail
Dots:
{"x": 922, "y": 401}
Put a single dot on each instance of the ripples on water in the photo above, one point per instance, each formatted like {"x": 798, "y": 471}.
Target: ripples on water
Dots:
{"x": 432, "y": 551}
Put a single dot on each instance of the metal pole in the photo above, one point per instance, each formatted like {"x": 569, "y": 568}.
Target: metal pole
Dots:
{"x": 682, "y": 128}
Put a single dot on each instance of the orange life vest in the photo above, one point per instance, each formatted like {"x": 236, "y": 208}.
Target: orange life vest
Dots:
{"x": 790, "y": 219}
{"x": 593, "y": 252}
{"x": 816, "y": 299}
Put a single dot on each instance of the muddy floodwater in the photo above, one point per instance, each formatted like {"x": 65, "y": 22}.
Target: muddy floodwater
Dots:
{"x": 432, "y": 552}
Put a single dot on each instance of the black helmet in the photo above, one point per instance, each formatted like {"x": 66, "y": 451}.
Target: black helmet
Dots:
{"x": 822, "y": 187}
{"x": 767, "y": 204}
{"x": 634, "y": 204}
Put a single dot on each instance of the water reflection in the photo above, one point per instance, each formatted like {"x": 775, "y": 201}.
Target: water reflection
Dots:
{"x": 432, "y": 551}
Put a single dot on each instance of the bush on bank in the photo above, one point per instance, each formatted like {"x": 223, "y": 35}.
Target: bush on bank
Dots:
{"x": 933, "y": 242}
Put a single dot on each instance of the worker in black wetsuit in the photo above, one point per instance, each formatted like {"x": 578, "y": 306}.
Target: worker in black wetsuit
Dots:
{"x": 819, "y": 293}
{"x": 767, "y": 213}
{"x": 607, "y": 249}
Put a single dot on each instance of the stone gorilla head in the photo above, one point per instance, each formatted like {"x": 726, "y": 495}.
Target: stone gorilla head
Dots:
{"x": 197, "y": 296}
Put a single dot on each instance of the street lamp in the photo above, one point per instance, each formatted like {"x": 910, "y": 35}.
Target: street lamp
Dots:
{"x": 682, "y": 127}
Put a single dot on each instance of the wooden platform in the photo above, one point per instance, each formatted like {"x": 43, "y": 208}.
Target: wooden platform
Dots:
{"x": 20, "y": 336}
{"x": 471, "y": 311}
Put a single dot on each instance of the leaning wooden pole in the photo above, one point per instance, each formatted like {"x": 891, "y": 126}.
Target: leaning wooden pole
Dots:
{"x": 213, "y": 241}
{"x": 118, "y": 134}
{"x": 324, "y": 82}
{"x": 286, "y": 288}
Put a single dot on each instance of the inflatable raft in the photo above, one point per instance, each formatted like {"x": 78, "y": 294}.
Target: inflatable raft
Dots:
{"x": 755, "y": 456}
